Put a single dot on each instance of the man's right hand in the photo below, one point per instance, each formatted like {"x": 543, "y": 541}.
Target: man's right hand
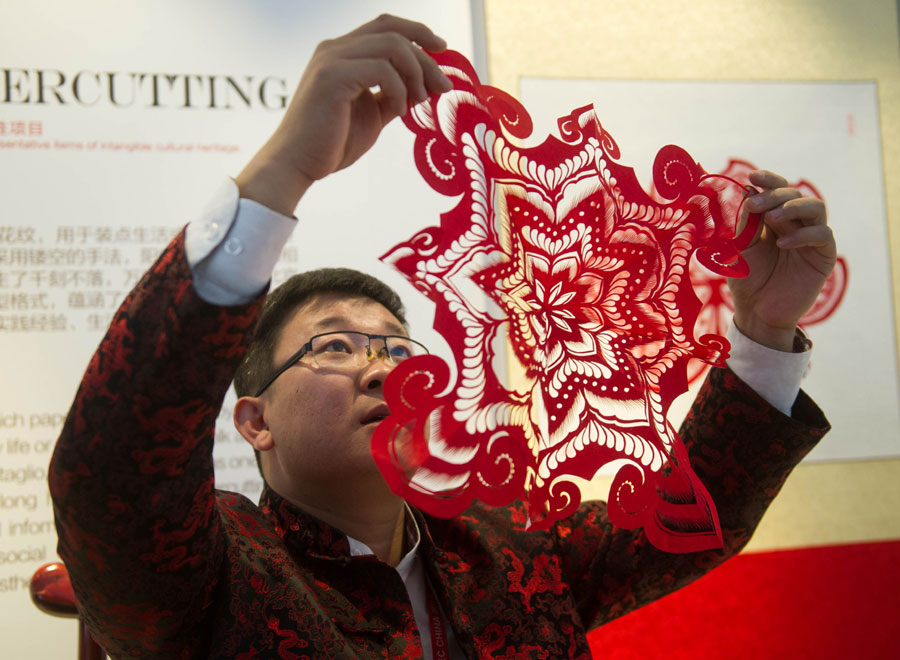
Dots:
{"x": 335, "y": 116}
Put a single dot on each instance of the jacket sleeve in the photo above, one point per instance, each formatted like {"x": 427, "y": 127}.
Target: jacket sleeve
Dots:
{"x": 132, "y": 477}
{"x": 742, "y": 450}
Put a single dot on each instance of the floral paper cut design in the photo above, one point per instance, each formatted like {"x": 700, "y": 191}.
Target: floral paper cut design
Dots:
{"x": 557, "y": 250}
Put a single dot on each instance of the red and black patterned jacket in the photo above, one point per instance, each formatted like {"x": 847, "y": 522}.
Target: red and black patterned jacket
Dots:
{"x": 165, "y": 566}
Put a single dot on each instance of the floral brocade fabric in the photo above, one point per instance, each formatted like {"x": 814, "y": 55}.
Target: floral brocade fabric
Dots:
{"x": 165, "y": 566}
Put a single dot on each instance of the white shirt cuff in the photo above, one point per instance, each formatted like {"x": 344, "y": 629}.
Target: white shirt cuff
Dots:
{"x": 774, "y": 375}
{"x": 233, "y": 246}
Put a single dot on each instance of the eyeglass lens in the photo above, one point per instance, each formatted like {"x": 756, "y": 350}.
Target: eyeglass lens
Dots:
{"x": 353, "y": 348}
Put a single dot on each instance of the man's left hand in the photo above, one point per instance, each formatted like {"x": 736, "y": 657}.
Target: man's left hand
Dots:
{"x": 792, "y": 255}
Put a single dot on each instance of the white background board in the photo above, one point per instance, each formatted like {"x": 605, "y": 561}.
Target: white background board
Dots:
{"x": 825, "y": 133}
{"x": 59, "y": 184}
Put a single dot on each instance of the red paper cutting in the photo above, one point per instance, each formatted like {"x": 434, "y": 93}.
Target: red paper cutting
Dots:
{"x": 559, "y": 252}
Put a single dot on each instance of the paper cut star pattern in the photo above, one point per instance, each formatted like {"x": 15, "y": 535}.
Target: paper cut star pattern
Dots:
{"x": 556, "y": 251}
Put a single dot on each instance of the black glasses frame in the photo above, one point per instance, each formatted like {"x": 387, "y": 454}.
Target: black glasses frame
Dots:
{"x": 307, "y": 347}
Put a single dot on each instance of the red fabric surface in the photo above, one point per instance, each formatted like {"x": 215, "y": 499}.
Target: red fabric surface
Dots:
{"x": 824, "y": 602}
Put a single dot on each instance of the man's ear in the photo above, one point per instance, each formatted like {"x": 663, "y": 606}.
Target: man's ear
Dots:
{"x": 250, "y": 422}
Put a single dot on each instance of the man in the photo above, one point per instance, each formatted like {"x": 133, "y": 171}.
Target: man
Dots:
{"x": 332, "y": 564}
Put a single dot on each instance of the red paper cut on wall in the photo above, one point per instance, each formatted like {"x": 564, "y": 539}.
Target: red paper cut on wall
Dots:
{"x": 557, "y": 250}
{"x": 712, "y": 289}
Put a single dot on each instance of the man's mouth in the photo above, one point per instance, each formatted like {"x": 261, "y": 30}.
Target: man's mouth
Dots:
{"x": 376, "y": 415}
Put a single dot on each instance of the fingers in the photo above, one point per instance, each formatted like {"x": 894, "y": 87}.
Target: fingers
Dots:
{"x": 775, "y": 191}
{"x": 363, "y": 74}
{"x": 767, "y": 179}
{"x": 802, "y": 210}
{"x": 415, "y": 32}
{"x": 403, "y": 43}
{"x": 405, "y": 61}
{"x": 435, "y": 80}
{"x": 814, "y": 236}
{"x": 772, "y": 198}
{"x": 784, "y": 208}
{"x": 800, "y": 223}
{"x": 793, "y": 220}
{"x": 391, "y": 48}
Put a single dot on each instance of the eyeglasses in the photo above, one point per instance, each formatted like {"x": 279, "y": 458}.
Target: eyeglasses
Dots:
{"x": 350, "y": 350}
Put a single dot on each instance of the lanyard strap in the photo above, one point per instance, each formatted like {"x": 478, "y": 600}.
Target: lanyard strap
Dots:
{"x": 438, "y": 636}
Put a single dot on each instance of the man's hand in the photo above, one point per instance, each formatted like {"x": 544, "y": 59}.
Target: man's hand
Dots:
{"x": 352, "y": 87}
{"x": 790, "y": 259}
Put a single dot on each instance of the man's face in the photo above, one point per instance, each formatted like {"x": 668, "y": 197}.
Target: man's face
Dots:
{"x": 321, "y": 419}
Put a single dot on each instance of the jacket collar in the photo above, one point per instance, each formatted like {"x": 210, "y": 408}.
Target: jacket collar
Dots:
{"x": 302, "y": 532}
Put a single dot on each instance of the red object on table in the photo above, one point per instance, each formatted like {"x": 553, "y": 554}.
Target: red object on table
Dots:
{"x": 51, "y": 592}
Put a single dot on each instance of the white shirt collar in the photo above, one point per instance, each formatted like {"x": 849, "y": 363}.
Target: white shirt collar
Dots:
{"x": 413, "y": 538}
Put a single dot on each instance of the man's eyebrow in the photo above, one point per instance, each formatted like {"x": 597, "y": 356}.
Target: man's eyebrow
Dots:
{"x": 343, "y": 323}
